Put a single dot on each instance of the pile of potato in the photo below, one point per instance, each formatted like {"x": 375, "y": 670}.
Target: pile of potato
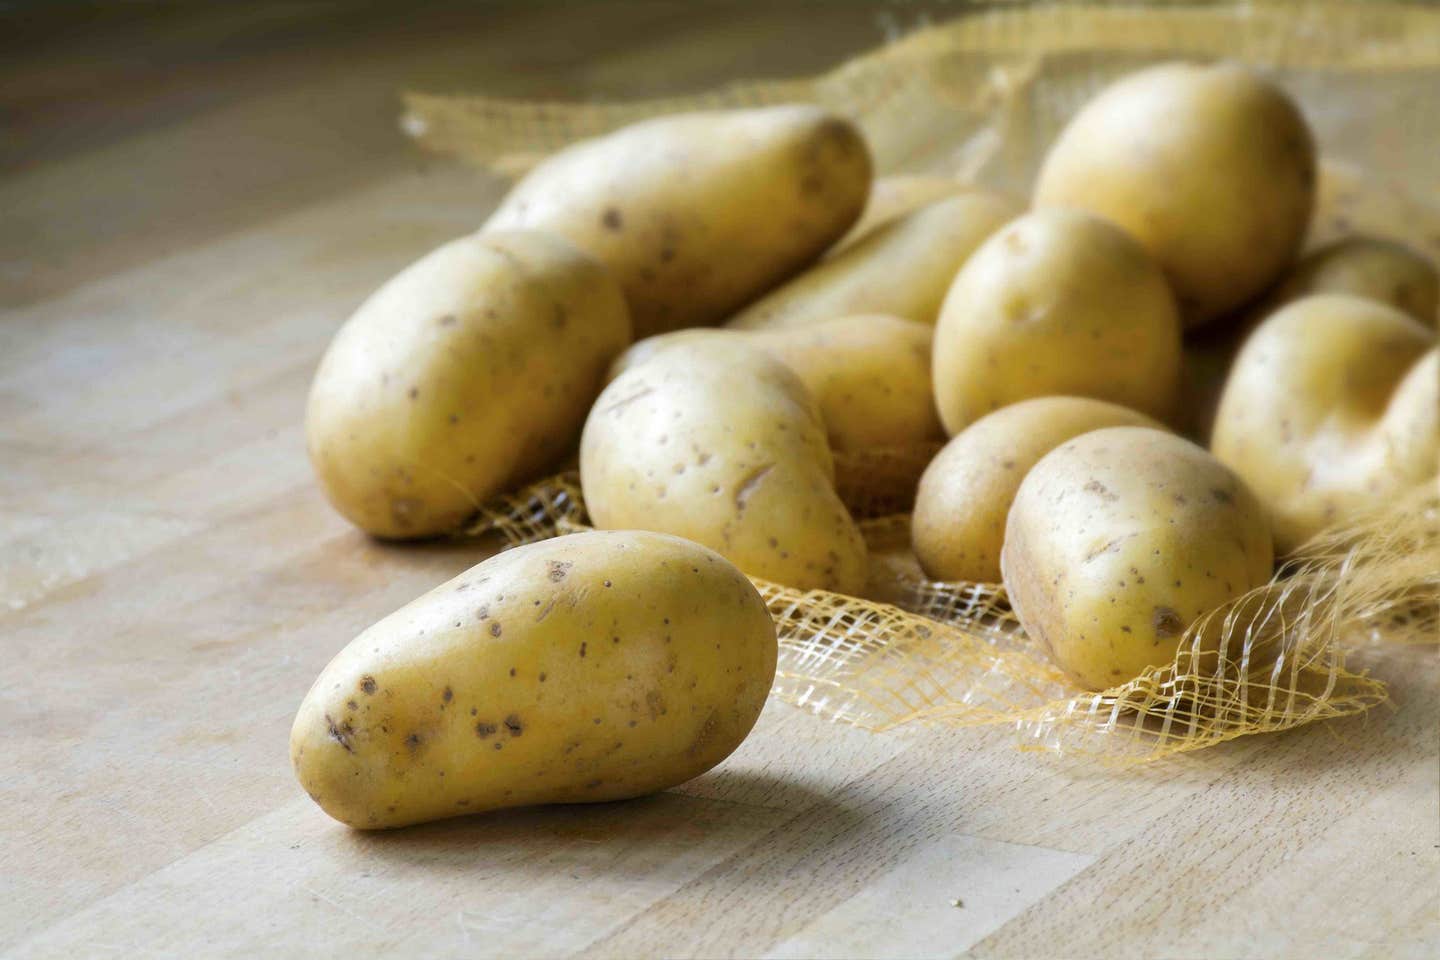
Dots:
{"x": 1049, "y": 345}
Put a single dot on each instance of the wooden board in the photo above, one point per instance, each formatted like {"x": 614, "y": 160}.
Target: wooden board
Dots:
{"x": 182, "y": 234}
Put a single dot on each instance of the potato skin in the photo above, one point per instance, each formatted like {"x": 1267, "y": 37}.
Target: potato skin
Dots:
{"x": 697, "y": 214}
{"x": 901, "y": 268}
{"x": 870, "y": 374}
{"x": 721, "y": 444}
{"x": 958, "y": 525}
{"x": 1210, "y": 167}
{"x": 1376, "y": 269}
{"x": 1332, "y": 406}
{"x": 895, "y": 196}
{"x": 586, "y": 668}
{"x": 1056, "y": 303}
{"x": 1118, "y": 540}
{"x": 468, "y": 372}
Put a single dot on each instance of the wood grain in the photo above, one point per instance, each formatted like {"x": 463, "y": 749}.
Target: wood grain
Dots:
{"x": 183, "y": 233}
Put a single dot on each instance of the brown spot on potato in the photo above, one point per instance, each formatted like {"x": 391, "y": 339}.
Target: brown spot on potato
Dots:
{"x": 340, "y": 733}
{"x": 1101, "y": 491}
{"x": 512, "y": 723}
{"x": 612, "y": 219}
{"x": 582, "y": 647}
{"x": 1167, "y": 623}
{"x": 484, "y": 730}
{"x": 495, "y": 629}
{"x": 447, "y": 695}
{"x": 655, "y": 703}
{"x": 557, "y": 570}
{"x": 413, "y": 742}
{"x": 367, "y": 684}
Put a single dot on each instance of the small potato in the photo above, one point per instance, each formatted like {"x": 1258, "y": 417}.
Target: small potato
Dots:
{"x": 1056, "y": 303}
{"x": 869, "y": 374}
{"x": 1210, "y": 167}
{"x": 958, "y": 525}
{"x": 1381, "y": 270}
{"x": 592, "y": 667}
{"x": 467, "y": 373}
{"x": 1333, "y": 406}
{"x": 1118, "y": 540}
{"x": 697, "y": 214}
{"x": 893, "y": 197}
{"x": 721, "y": 443}
{"x": 902, "y": 268}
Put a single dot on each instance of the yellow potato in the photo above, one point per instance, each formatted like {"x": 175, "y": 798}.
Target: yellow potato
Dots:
{"x": 1118, "y": 540}
{"x": 1332, "y": 406}
{"x": 902, "y": 268}
{"x": 592, "y": 667}
{"x": 697, "y": 214}
{"x": 1380, "y": 270}
{"x": 1211, "y": 167}
{"x": 958, "y": 525}
{"x": 469, "y": 372}
{"x": 894, "y": 197}
{"x": 1377, "y": 269}
{"x": 721, "y": 444}
{"x": 870, "y": 374}
{"x": 1056, "y": 303}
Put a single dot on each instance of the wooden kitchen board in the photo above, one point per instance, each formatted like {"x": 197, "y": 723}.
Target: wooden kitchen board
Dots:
{"x": 182, "y": 232}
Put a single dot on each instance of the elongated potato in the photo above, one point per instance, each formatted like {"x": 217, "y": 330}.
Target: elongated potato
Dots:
{"x": 902, "y": 268}
{"x": 697, "y": 214}
{"x": 870, "y": 374}
{"x": 1332, "y": 406}
{"x": 591, "y": 667}
{"x": 467, "y": 373}
{"x": 958, "y": 525}
{"x": 893, "y": 197}
{"x": 721, "y": 444}
{"x": 1056, "y": 303}
{"x": 1210, "y": 167}
{"x": 1118, "y": 540}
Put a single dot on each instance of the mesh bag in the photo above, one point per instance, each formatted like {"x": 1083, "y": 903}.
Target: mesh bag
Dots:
{"x": 980, "y": 98}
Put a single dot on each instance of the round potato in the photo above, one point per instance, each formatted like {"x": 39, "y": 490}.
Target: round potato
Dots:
{"x": 697, "y": 214}
{"x": 1056, "y": 303}
{"x": 1332, "y": 406}
{"x": 1210, "y": 167}
{"x": 469, "y": 372}
{"x": 1118, "y": 540}
{"x": 721, "y": 443}
{"x": 587, "y": 668}
{"x": 1381, "y": 270}
{"x": 869, "y": 374}
{"x": 901, "y": 268}
{"x": 958, "y": 526}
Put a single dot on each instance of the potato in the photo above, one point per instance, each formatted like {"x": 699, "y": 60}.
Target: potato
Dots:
{"x": 697, "y": 214}
{"x": 895, "y": 196}
{"x": 1380, "y": 270}
{"x": 902, "y": 268}
{"x": 1056, "y": 303}
{"x": 958, "y": 525}
{"x": 1211, "y": 167}
{"x": 587, "y": 668}
{"x": 1118, "y": 540}
{"x": 870, "y": 374}
{"x": 469, "y": 372}
{"x": 721, "y": 444}
{"x": 1332, "y": 406}
{"x": 1377, "y": 269}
